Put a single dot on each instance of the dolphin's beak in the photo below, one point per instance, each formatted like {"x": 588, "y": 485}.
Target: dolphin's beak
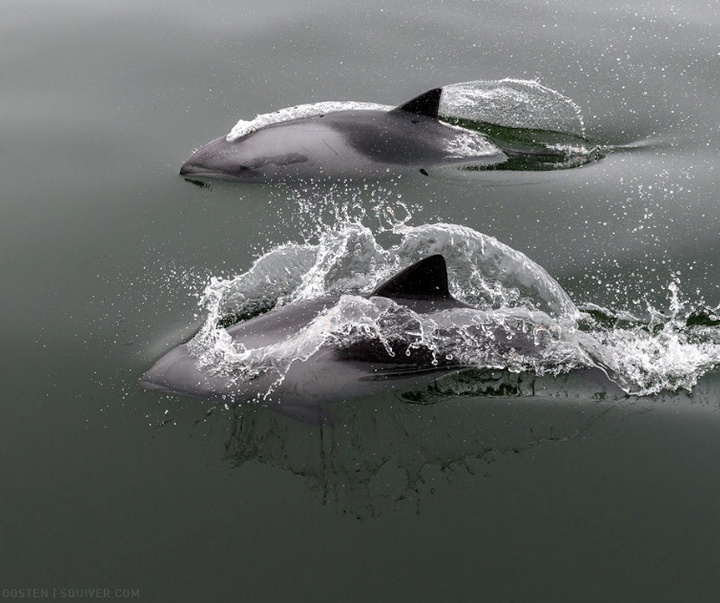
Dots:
{"x": 214, "y": 159}
{"x": 186, "y": 169}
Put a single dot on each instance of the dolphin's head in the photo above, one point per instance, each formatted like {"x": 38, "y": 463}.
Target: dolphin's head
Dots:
{"x": 242, "y": 160}
{"x": 218, "y": 159}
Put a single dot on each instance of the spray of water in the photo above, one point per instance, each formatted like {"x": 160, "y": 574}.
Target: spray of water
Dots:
{"x": 520, "y": 318}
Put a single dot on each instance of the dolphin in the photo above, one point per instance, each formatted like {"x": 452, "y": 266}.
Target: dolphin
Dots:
{"x": 345, "y": 144}
{"x": 344, "y": 370}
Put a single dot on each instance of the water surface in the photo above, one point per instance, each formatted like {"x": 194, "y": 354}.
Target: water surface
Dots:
{"x": 499, "y": 487}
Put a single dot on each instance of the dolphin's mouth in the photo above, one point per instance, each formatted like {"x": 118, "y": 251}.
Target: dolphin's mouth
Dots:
{"x": 152, "y": 382}
{"x": 209, "y": 161}
{"x": 195, "y": 173}
{"x": 198, "y": 171}
{"x": 199, "y": 175}
{"x": 188, "y": 169}
{"x": 218, "y": 160}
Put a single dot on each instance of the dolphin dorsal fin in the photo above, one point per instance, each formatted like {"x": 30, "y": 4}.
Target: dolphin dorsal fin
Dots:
{"x": 427, "y": 104}
{"x": 426, "y": 279}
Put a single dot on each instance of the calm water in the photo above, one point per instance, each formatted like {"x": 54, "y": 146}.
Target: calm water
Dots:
{"x": 537, "y": 492}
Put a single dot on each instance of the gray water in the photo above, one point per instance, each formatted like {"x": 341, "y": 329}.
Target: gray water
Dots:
{"x": 494, "y": 488}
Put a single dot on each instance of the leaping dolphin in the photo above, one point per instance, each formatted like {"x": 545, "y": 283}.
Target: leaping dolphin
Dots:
{"x": 342, "y": 370}
{"x": 345, "y": 144}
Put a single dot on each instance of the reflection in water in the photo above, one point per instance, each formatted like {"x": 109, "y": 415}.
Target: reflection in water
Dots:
{"x": 397, "y": 448}
{"x": 391, "y": 451}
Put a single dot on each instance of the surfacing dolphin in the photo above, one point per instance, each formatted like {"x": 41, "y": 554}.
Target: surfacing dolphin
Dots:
{"x": 345, "y": 144}
{"x": 341, "y": 370}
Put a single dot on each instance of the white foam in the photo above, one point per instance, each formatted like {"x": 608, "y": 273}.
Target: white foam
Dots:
{"x": 244, "y": 127}
{"x": 512, "y": 103}
{"x": 468, "y": 144}
{"x": 660, "y": 354}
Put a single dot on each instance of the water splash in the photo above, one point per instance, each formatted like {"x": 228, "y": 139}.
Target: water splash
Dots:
{"x": 520, "y": 320}
{"x": 513, "y": 103}
{"x": 667, "y": 351}
{"x": 536, "y": 127}
{"x": 244, "y": 127}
